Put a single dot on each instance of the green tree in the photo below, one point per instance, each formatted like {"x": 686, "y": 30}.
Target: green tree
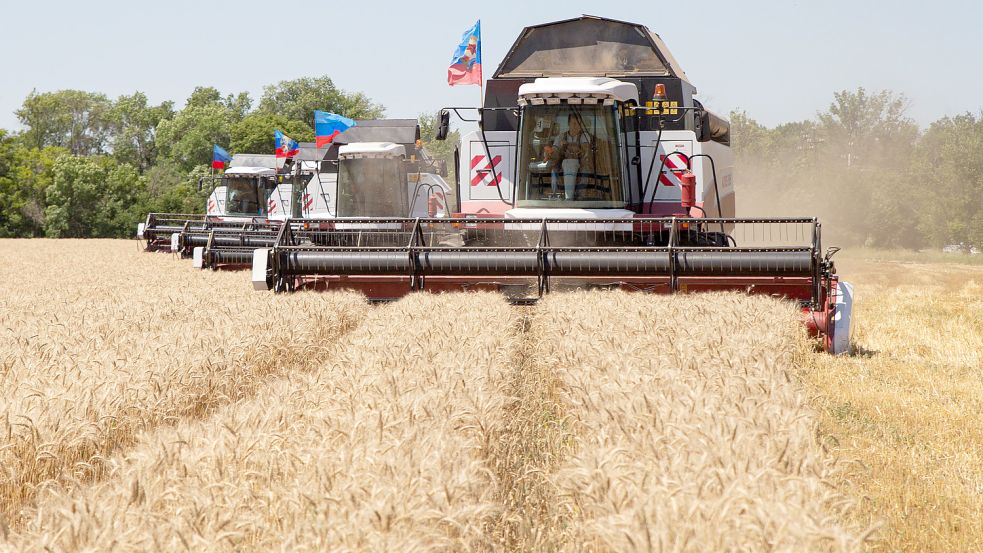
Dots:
{"x": 947, "y": 167}
{"x": 72, "y": 119}
{"x": 173, "y": 190}
{"x": 27, "y": 174}
{"x": 123, "y": 202}
{"x": 206, "y": 119}
{"x": 297, "y": 100}
{"x": 187, "y": 138}
{"x": 254, "y": 134}
{"x": 747, "y": 135}
{"x": 93, "y": 196}
{"x": 134, "y": 123}
{"x": 869, "y": 129}
{"x": 202, "y": 96}
{"x": 72, "y": 197}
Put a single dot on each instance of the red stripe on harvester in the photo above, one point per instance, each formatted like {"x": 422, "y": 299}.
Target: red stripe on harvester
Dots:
{"x": 479, "y": 177}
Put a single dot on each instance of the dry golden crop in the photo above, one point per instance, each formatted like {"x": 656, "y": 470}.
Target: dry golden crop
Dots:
{"x": 382, "y": 448}
{"x": 592, "y": 421}
{"x": 677, "y": 425}
{"x": 907, "y": 410}
{"x": 99, "y": 342}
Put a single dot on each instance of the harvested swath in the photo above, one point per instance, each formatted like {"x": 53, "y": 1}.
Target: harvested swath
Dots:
{"x": 685, "y": 429}
{"x": 99, "y": 342}
{"x": 383, "y": 448}
{"x": 908, "y": 407}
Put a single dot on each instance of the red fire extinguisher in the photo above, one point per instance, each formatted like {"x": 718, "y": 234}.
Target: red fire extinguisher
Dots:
{"x": 687, "y": 182}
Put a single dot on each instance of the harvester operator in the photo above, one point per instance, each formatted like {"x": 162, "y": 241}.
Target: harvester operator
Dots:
{"x": 571, "y": 154}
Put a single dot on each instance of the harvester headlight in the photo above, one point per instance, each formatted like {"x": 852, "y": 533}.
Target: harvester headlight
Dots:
{"x": 537, "y": 101}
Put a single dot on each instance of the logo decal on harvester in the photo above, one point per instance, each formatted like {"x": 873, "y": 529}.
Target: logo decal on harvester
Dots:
{"x": 675, "y": 164}
{"x": 484, "y": 174}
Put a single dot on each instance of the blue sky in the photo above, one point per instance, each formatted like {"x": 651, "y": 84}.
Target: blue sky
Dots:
{"x": 780, "y": 61}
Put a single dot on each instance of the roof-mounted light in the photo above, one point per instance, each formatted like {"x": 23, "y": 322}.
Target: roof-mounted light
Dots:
{"x": 660, "y": 93}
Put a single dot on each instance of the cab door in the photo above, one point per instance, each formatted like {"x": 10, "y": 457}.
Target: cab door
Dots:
{"x": 490, "y": 172}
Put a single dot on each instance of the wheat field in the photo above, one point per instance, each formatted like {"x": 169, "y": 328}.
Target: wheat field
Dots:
{"x": 905, "y": 413}
{"x": 147, "y": 406}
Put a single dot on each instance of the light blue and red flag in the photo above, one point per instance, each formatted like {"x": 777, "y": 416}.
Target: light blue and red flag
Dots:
{"x": 466, "y": 64}
{"x": 328, "y": 125}
{"x": 285, "y": 146}
{"x": 219, "y": 157}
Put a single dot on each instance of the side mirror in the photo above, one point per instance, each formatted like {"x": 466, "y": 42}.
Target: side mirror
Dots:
{"x": 710, "y": 126}
{"x": 200, "y": 181}
{"x": 703, "y": 126}
{"x": 443, "y": 124}
{"x": 442, "y": 168}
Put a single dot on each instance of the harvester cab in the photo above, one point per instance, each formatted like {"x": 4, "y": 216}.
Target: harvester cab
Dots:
{"x": 592, "y": 165}
{"x": 240, "y": 194}
{"x": 239, "y": 201}
{"x": 593, "y": 118}
{"x": 376, "y": 179}
{"x": 378, "y": 168}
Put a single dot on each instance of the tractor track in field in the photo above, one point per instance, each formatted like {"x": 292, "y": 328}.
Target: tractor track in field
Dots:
{"x": 536, "y": 437}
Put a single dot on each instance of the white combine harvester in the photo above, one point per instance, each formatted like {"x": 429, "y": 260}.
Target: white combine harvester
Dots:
{"x": 239, "y": 200}
{"x": 360, "y": 175}
{"x": 593, "y": 165}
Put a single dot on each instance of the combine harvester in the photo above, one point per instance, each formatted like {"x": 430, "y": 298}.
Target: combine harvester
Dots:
{"x": 593, "y": 165}
{"x": 377, "y": 168}
{"x": 228, "y": 236}
{"x": 239, "y": 201}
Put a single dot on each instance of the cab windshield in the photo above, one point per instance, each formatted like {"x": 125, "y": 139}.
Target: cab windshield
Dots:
{"x": 569, "y": 157}
{"x": 244, "y": 196}
{"x": 371, "y": 187}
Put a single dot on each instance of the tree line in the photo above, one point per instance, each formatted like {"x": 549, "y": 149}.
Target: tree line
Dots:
{"x": 85, "y": 165}
{"x": 867, "y": 171}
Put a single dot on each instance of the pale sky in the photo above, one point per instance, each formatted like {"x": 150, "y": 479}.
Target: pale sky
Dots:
{"x": 780, "y": 61}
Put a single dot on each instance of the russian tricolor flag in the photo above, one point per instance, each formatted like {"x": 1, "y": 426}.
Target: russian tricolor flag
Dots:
{"x": 285, "y": 146}
{"x": 219, "y": 157}
{"x": 328, "y": 125}
{"x": 466, "y": 64}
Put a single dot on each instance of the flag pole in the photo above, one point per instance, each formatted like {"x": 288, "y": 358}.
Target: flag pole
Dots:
{"x": 481, "y": 72}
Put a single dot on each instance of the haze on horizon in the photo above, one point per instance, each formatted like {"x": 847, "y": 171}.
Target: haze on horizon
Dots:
{"x": 779, "y": 61}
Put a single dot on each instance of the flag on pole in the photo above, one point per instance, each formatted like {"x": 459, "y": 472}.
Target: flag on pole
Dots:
{"x": 285, "y": 146}
{"x": 328, "y": 125}
{"x": 219, "y": 157}
{"x": 466, "y": 64}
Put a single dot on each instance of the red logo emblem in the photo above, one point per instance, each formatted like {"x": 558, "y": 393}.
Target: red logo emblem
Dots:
{"x": 484, "y": 174}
